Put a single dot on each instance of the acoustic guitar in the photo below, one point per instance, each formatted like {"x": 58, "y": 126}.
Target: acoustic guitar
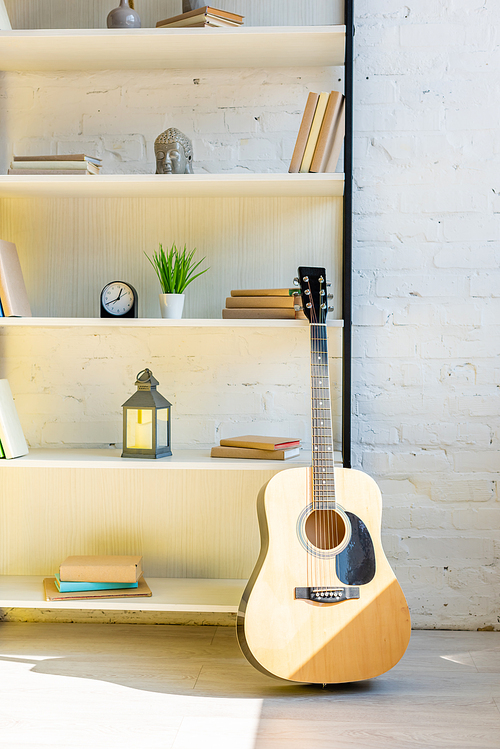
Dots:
{"x": 322, "y": 604}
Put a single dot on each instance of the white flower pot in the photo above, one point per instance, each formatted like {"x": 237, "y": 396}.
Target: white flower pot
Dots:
{"x": 171, "y": 306}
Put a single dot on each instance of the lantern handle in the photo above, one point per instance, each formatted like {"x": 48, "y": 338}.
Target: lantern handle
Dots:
{"x": 143, "y": 371}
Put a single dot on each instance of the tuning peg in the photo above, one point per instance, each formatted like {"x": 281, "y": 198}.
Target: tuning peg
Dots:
{"x": 330, "y": 296}
{"x": 296, "y": 282}
{"x": 309, "y": 305}
{"x": 323, "y": 306}
{"x": 307, "y": 292}
{"x": 331, "y": 309}
{"x": 328, "y": 283}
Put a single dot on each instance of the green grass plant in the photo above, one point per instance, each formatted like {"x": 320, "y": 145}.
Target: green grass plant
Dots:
{"x": 175, "y": 268}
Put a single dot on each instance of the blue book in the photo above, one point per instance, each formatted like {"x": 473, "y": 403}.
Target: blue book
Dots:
{"x": 70, "y": 587}
{"x": 1, "y": 310}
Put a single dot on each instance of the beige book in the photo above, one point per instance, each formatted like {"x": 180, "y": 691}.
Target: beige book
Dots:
{"x": 337, "y": 142}
{"x": 327, "y": 132}
{"x": 264, "y": 292}
{"x": 314, "y": 133}
{"x": 259, "y": 442}
{"x": 304, "y": 130}
{"x": 199, "y": 14}
{"x": 13, "y": 293}
{"x": 4, "y": 18}
{"x": 272, "y": 302}
{"x": 59, "y": 157}
{"x": 258, "y": 314}
{"x": 11, "y": 432}
{"x": 253, "y": 454}
{"x": 101, "y": 569}
{"x": 52, "y": 594}
{"x": 56, "y": 165}
{"x": 50, "y": 172}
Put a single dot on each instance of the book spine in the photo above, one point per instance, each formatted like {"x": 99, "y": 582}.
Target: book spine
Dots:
{"x": 304, "y": 130}
{"x": 12, "y": 287}
{"x": 258, "y": 314}
{"x": 333, "y": 158}
{"x": 259, "y": 302}
{"x": 314, "y": 133}
{"x": 251, "y": 453}
{"x": 327, "y": 132}
{"x": 264, "y": 292}
{"x": 50, "y": 172}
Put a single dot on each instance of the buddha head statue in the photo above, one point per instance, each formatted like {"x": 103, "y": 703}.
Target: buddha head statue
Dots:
{"x": 174, "y": 153}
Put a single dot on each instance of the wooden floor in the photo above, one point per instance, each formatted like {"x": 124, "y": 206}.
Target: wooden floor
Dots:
{"x": 75, "y": 686}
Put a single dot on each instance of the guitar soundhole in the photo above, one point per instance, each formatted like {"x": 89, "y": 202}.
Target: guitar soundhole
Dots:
{"x": 325, "y": 529}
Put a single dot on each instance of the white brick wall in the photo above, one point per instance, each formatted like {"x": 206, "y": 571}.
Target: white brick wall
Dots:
{"x": 426, "y": 260}
{"x": 426, "y": 263}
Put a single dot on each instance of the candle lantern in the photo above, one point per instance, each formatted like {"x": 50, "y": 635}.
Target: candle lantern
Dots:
{"x": 146, "y": 421}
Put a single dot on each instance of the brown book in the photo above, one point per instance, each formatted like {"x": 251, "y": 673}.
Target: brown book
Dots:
{"x": 258, "y": 314}
{"x": 59, "y": 157}
{"x": 49, "y": 172}
{"x": 253, "y": 454}
{"x": 264, "y": 292}
{"x": 304, "y": 130}
{"x": 13, "y": 293}
{"x": 271, "y": 302}
{"x": 337, "y": 142}
{"x": 52, "y": 594}
{"x": 327, "y": 132}
{"x": 206, "y": 10}
{"x": 101, "y": 569}
{"x": 258, "y": 442}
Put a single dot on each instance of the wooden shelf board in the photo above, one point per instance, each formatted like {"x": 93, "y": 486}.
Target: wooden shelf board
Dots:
{"x": 149, "y": 322}
{"x": 181, "y": 460}
{"x": 173, "y": 186}
{"x": 169, "y": 594}
{"x": 141, "y": 49}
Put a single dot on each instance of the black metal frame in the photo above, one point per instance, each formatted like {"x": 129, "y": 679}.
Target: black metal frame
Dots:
{"x": 347, "y": 237}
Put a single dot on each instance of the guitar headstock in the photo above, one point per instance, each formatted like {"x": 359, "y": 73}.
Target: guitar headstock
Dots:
{"x": 313, "y": 287}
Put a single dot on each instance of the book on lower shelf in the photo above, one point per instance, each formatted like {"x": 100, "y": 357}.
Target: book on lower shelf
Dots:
{"x": 75, "y": 587}
{"x": 53, "y": 594}
{"x": 101, "y": 569}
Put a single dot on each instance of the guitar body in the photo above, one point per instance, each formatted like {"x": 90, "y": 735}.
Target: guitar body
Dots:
{"x": 302, "y": 640}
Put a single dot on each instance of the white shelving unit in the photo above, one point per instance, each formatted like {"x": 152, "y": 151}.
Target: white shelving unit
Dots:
{"x": 95, "y": 491}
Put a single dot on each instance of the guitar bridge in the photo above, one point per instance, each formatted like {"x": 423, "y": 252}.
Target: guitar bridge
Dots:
{"x": 327, "y": 595}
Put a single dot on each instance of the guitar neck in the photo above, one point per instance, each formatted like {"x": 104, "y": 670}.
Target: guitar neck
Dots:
{"x": 321, "y": 418}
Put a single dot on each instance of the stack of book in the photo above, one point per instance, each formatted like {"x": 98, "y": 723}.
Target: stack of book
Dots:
{"x": 321, "y": 134}
{"x": 77, "y": 164}
{"x": 82, "y": 577}
{"x": 259, "y": 304}
{"x": 258, "y": 448}
{"x": 205, "y": 17}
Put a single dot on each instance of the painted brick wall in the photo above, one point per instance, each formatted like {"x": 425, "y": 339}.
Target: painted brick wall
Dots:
{"x": 427, "y": 297}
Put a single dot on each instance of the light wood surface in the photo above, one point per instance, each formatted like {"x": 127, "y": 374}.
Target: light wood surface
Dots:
{"x": 308, "y": 642}
{"x": 171, "y": 687}
{"x": 173, "y": 186}
{"x": 181, "y": 459}
{"x": 151, "y": 322}
{"x": 168, "y": 594}
{"x": 70, "y": 248}
{"x": 141, "y": 49}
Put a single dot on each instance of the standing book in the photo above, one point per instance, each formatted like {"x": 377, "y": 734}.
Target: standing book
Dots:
{"x": 13, "y": 293}
{"x": 11, "y": 433}
{"x": 304, "y": 130}
{"x": 327, "y": 133}
{"x": 338, "y": 140}
{"x": 314, "y": 133}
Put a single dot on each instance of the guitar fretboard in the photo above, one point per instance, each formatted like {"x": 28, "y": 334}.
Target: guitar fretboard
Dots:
{"x": 321, "y": 415}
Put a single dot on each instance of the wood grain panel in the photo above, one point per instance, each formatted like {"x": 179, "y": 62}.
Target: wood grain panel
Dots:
{"x": 184, "y": 523}
{"x": 70, "y": 248}
{"x": 60, "y": 14}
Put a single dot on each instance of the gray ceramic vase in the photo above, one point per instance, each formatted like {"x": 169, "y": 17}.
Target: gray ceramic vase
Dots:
{"x": 124, "y": 17}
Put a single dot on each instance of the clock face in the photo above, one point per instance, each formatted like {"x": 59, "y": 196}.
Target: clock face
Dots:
{"x": 117, "y": 298}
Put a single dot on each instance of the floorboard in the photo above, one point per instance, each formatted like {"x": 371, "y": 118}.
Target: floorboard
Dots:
{"x": 182, "y": 687}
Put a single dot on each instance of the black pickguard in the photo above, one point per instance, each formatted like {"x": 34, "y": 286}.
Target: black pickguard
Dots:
{"x": 356, "y": 564}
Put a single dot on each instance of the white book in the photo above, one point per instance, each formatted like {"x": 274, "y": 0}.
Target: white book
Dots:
{"x": 11, "y": 432}
{"x": 4, "y": 18}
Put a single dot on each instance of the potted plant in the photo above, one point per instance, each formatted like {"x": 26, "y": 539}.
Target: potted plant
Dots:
{"x": 175, "y": 270}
